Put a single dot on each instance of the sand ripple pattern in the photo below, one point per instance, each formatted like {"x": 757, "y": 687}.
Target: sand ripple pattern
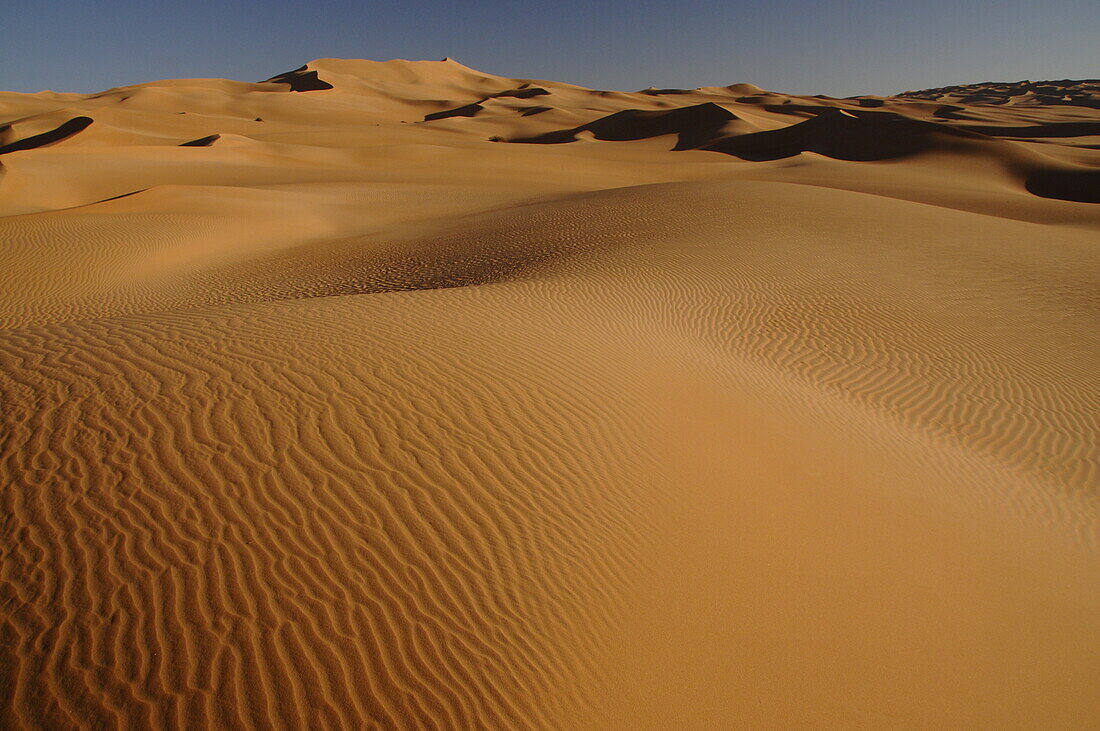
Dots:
{"x": 234, "y": 521}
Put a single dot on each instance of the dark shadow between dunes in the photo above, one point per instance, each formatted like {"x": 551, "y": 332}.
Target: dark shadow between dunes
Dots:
{"x": 1051, "y": 129}
{"x": 949, "y": 111}
{"x": 1079, "y": 186}
{"x": 521, "y": 93}
{"x": 532, "y": 111}
{"x": 695, "y": 125}
{"x": 301, "y": 80}
{"x": 201, "y": 142}
{"x": 61, "y": 132}
{"x": 470, "y": 110}
{"x": 842, "y": 135}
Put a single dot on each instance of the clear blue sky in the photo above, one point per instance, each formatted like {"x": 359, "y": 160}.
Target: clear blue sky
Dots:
{"x": 835, "y": 47}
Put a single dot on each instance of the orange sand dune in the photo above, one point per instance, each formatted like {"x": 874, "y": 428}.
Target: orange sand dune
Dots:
{"x": 401, "y": 395}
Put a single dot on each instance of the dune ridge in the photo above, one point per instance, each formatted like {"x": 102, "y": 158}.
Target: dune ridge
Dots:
{"x": 403, "y": 395}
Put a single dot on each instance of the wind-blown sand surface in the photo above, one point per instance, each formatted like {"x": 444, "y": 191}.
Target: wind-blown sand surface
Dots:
{"x": 401, "y": 395}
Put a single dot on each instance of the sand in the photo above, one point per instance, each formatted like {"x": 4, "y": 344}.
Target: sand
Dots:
{"x": 402, "y": 395}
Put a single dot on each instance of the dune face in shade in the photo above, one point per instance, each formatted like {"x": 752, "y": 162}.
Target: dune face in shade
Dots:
{"x": 403, "y": 395}
{"x": 62, "y": 131}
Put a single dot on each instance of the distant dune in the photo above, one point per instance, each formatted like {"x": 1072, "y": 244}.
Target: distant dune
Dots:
{"x": 402, "y": 395}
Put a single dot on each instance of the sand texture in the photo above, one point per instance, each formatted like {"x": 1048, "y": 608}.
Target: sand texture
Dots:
{"x": 399, "y": 395}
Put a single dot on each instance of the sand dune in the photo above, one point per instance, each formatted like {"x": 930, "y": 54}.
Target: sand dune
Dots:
{"x": 401, "y": 395}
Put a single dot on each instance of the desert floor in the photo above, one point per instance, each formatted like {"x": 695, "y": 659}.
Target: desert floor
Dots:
{"x": 401, "y": 395}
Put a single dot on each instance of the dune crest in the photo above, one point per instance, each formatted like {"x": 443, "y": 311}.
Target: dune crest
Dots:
{"x": 402, "y": 395}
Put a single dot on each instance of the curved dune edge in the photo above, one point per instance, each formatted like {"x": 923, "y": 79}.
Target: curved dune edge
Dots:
{"x": 321, "y": 409}
{"x": 61, "y": 132}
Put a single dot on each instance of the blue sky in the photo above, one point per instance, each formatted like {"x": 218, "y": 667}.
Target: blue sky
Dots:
{"x": 835, "y": 47}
